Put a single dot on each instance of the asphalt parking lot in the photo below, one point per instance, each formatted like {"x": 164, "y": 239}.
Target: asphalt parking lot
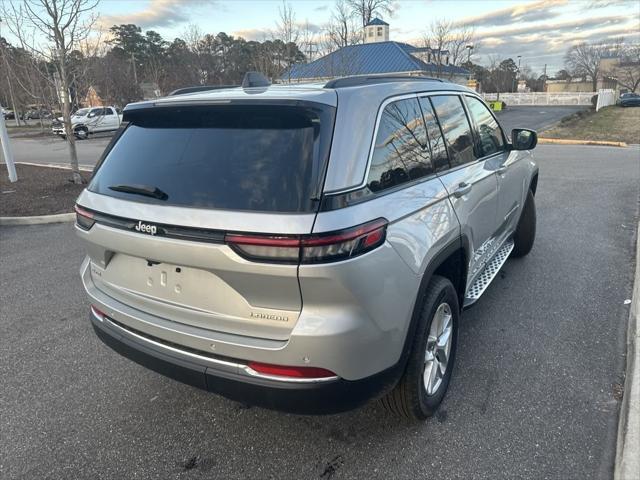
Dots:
{"x": 535, "y": 117}
{"x": 54, "y": 150}
{"x": 533, "y": 393}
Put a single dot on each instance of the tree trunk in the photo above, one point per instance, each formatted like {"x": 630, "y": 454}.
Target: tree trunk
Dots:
{"x": 66, "y": 116}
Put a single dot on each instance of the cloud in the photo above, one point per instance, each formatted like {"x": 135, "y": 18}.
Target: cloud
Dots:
{"x": 558, "y": 27}
{"x": 526, "y": 12}
{"x": 158, "y": 13}
{"x": 257, "y": 34}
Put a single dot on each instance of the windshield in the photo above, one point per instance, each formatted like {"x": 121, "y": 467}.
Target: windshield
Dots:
{"x": 81, "y": 113}
{"x": 261, "y": 158}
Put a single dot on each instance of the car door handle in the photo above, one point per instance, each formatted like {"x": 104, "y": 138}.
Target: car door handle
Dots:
{"x": 463, "y": 189}
{"x": 501, "y": 169}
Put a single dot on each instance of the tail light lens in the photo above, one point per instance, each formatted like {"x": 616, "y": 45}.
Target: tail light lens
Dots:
{"x": 292, "y": 372}
{"x": 315, "y": 248}
{"x": 84, "y": 218}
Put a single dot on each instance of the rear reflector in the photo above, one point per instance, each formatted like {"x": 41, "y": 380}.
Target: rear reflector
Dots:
{"x": 97, "y": 313}
{"x": 291, "y": 372}
{"x": 315, "y": 248}
{"x": 84, "y": 218}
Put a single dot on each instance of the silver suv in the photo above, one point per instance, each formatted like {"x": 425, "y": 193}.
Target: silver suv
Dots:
{"x": 304, "y": 248}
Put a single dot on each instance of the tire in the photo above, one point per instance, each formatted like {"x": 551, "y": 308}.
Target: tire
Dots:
{"x": 410, "y": 397}
{"x": 81, "y": 133}
{"x": 525, "y": 233}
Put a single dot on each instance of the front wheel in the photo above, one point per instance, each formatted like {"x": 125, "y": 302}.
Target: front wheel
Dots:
{"x": 82, "y": 133}
{"x": 426, "y": 378}
{"x": 525, "y": 233}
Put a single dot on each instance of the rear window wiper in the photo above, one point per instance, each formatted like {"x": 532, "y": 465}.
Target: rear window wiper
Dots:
{"x": 145, "y": 190}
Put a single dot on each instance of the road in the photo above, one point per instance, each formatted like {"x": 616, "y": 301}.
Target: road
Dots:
{"x": 535, "y": 117}
{"x": 532, "y": 394}
{"x": 54, "y": 150}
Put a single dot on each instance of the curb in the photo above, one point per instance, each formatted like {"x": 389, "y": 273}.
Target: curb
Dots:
{"x": 38, "y": 219}
{"x": 559, "y": 141}
{"x": 82, "y": 168}
{"x": 627, "y": 466}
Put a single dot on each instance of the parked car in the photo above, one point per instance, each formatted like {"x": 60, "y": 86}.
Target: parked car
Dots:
{"x": 37, "y": 114}
{"x": 305, "y": 248}
{"x": 629, "y": 100}
{"x": 88, "y": 121}
{"x": 8, "y": 114}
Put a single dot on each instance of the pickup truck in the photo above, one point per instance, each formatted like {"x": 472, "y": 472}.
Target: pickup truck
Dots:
{"x": 88, "y": 121}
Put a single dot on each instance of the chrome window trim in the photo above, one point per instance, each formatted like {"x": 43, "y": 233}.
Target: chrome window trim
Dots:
{"x": 222, "y": 365}
{"x": 383, "y": 105}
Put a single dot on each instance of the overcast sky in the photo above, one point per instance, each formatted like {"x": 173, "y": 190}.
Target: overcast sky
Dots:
{"x": 539, "y": 31}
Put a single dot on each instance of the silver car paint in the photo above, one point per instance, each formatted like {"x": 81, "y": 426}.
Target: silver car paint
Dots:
{"x": 356, "y": 313}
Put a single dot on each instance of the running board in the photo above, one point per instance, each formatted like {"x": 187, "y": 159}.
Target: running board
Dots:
{"x": 490, "y": 271}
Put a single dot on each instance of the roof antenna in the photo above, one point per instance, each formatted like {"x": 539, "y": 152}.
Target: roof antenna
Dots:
{"x": 255, "y": 79}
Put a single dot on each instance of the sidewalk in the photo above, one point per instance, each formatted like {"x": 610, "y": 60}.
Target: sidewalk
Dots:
{"x": 628, "y": 451}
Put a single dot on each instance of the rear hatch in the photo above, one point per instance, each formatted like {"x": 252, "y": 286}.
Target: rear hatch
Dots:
{"x": 177, "y": 182}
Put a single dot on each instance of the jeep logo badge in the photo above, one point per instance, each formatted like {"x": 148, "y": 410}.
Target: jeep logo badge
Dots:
{"x": 146, "y": 228}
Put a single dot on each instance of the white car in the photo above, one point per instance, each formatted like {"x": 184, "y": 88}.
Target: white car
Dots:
{"x": 89, "y": 120}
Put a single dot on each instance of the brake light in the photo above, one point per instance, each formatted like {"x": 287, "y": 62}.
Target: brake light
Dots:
{"x": 84, "y": 218}
{"x": 315, "y": 248}
{"x": 292, "y": 372}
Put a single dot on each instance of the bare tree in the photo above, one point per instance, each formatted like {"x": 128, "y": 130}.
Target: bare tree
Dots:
{"x": 366, "y": 9}
{"x": 583, "y": 60}
{"x": 627, "y": 72}
{"x": 342, "y": 29}
{"x": 63, "y": 25}
{"x": 288, "y": 31}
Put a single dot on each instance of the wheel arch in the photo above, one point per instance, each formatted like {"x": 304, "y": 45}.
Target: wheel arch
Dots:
{"x": 451, "y": 262}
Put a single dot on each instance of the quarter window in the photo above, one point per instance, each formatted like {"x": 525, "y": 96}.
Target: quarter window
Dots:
{"x": 455, "y": 128}
{"x": 400, "y": 153}
{"x": 490, "y": 139}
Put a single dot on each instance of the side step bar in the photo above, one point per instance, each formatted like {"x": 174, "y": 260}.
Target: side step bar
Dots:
{"x": 490, "y": 271}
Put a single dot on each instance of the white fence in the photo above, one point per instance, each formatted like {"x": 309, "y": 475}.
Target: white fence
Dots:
{"x": 605, "y": 98}
{"x": 543, "y": 98}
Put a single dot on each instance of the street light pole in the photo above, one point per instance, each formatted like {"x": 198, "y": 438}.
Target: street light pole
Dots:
{"x": 6, "y": 149}
{"x": 515, "y": 80}
{"x": 469, "y": 48}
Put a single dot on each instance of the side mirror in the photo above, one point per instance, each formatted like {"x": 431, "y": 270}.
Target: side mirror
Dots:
{"x": 91, "y": 115}
{"x": 523, "y": 139}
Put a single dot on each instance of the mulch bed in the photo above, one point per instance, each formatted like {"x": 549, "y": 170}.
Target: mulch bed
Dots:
{"x": 38, "y": 191}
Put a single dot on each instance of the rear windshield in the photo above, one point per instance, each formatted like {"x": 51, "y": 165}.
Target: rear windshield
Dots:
{"x": 268, "y": 158}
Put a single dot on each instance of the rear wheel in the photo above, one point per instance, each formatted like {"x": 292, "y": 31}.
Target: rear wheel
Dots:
{"x": 426, "y": 378}
{"x": 525, "y": 233}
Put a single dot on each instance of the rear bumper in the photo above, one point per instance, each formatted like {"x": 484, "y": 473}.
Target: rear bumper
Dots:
{"x": 218, "y": 376}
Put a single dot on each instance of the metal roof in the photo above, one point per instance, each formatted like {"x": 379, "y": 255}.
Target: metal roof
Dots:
{"x": 376, "y": 21}
{"x": 369, "y": 59}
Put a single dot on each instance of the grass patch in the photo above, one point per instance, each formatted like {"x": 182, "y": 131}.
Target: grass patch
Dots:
{"x": 613, "y": 124}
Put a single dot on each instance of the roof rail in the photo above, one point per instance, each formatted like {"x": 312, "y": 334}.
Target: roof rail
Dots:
{"x": 199, "y": 88}
{"x": 367, "y": 80}
{"x": 255, "y": 79}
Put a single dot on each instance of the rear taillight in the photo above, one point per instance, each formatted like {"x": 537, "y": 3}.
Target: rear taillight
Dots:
{"x": 316, "y": 248}
{"x": 84, "y": 218}
{"x": 291, "y": 372}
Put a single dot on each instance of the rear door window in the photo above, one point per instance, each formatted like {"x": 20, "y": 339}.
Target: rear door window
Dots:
{"x": 455, "y": 128}
{"x": 439, "y": 157}
{"x": 401, "y": 152}
{"x": 490, "y": 138}
{"x": 267, "y": 158}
